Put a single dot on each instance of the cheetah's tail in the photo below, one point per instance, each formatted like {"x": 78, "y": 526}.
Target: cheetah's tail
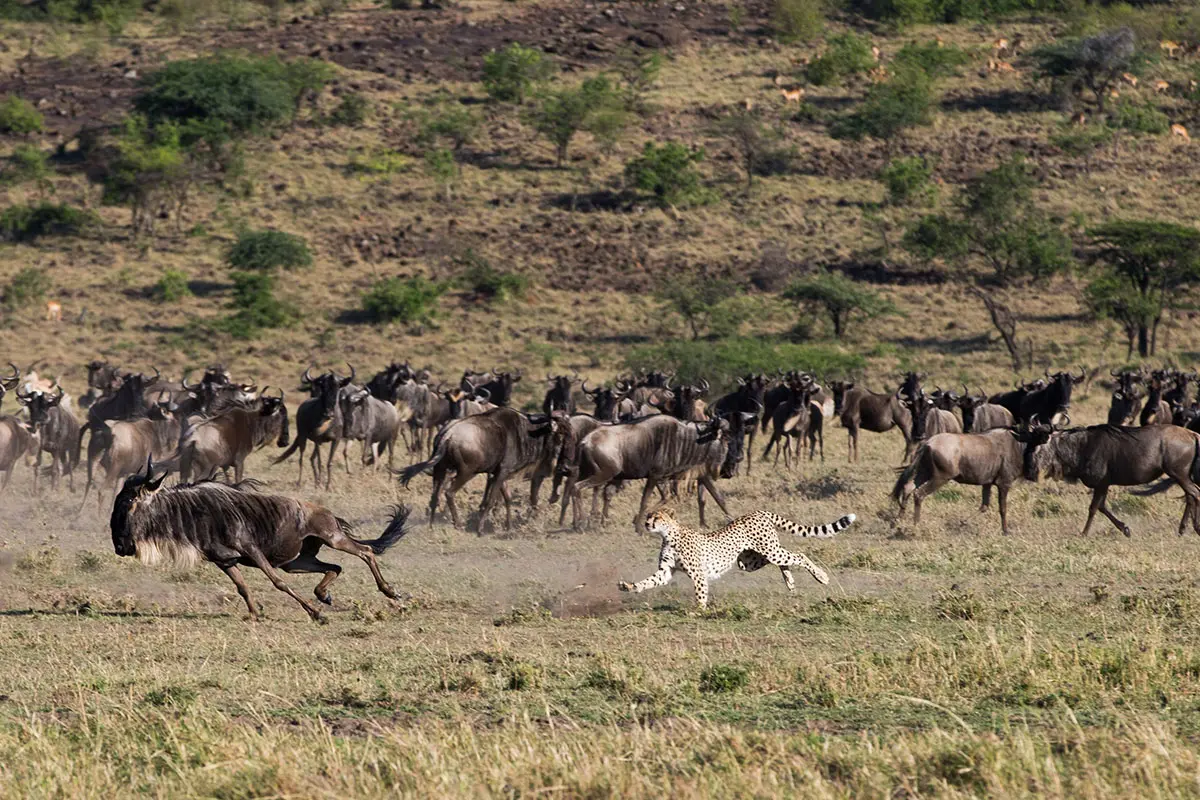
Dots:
{"x": 825, "y": 531}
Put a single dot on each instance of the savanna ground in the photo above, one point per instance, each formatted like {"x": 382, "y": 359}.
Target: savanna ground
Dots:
{"x": 941, "y": 660}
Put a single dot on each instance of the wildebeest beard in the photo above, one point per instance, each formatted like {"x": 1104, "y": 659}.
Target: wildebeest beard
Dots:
{"x": 187, "y": 523}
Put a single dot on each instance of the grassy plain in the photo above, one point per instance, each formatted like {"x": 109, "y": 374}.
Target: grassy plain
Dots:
{"x": 942, "y": 660}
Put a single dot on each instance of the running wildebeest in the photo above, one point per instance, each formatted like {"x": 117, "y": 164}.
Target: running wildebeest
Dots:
{"x": 57, "y": 431}
{"x": 319, "y": 420}
{"x": 233, "y": 526}
{"x": 226, "y": 440}
{"x": 15, "y": 441}
{"x": 1107, "y": 455}
{"x": 748, "y": 398}
{"x": 989, "y": 459}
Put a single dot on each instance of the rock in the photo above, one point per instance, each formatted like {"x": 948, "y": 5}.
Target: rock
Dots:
{"x": 130, "y": 75}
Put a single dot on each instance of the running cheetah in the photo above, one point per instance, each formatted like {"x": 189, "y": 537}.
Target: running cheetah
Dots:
{"x": 750, "y": 542}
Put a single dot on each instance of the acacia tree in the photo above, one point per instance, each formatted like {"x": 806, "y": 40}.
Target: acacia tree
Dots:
{"x": 1148, "y": 265}
{"x": 997, "y": 242}
{"x": 839, "y": 297}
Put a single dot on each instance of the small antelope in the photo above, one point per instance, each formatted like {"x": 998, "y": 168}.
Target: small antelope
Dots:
{"x": 878, "y": 75}
{"x": 54, "y": 311}
{"x": 1001, "y": 45}
{"x": 1161, "y": 86}
{"x": 940, "y": 42}
{"x": 792, "y": 95}
{"x": 875, "y": 52}
{"x": 1181, "y": 132}
{"x": 748, "y": 104}
{"x": 1114, "y": 94}
{"x": 780, "y": 80}
{"x": 1079, "y": 118}
{"x": 1169, "y": 47}
{"x": 1130, "y": 79}
{"x": 1000, "y": 66}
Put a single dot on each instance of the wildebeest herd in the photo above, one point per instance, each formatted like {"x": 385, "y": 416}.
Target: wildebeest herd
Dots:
{"x": 673, "y": 435}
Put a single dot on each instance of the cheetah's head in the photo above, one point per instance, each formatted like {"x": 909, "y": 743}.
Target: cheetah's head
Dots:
{"x": 662, "y": 522}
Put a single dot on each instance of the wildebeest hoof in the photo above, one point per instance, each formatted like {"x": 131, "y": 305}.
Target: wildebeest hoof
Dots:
{"x": 327, "y": 599}
{"x": 1125, "y": 530}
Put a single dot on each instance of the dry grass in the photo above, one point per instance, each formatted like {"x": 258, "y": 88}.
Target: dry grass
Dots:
{"x": 941, "y": 661}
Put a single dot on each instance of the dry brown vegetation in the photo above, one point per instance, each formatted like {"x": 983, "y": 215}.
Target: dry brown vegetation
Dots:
{"x": 941, "y": 661}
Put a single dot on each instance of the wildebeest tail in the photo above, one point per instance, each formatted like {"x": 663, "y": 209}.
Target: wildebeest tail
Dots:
{"x": 288, "y": 453}
{"x": 410, "y": 472}
{"x": 394, "y": 532}
{"x": 908, "y": 473}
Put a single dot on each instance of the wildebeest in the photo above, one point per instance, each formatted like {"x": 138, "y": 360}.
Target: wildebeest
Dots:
{"x": 234, "y": 526}
{"x": 10, "y": 383}
{"x": 928, "y": 419}
{"x": 225, "y": 440}
{"x": 373, "y": 422}
{"x": 748, "y": 398}
{"x": 1177, "y": 394}
{"x": 566, "y": 463}
{"x": 128, "y": 402}
{"x": 650, "y": 386}
{"x": 559, "y": 396}
{"x": 793, "y": 419}
{"x": 1156, "y": 411}
{"x": 425, "y": 408}
{"x": 1050, "y": 404}
{"x": 989, "y": 459}
{"x": 611, "y": 404}
{"x": 121, "y": 447}
{"x": 1107, "y": 455}
{"x": 500, "y": 443}
{"x": 1125, "y": 398}
{"x": 980, "y": 416}
{"x": 657, "y": 449}
{"x": 863, "y": 409}
{"x": 1012, "y": 398}
{"x": 319, "y": 420}
{"x": 499, "y": 387}
{"x": 466, "y": 404}
{"x": 15, "y": 441}
{"x": 57, "y": 431}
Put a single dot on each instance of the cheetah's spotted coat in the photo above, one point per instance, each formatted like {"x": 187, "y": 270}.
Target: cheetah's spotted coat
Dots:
{"x": 750, "y": 542}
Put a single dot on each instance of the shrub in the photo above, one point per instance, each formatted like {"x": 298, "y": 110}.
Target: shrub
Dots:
{"x": 560, "y": 114}
{"x": 26, "y": 223}
{"x": 403, "y": 300}
{"x": 797, "y": 20}
{"x": 638, "y": 74}
{"x": 908, "y": 181}
{"x": 453, "y": 123}
{"x": 1139, "y": 118}
{"x": 27, "y": 286}
{"x": 144, "y": 168}
{"x": 509, "y": 73}
{"x": 352, "y": 111}
{"x": 840, "y": 297}
{"x": 848, "y": 54}
{"x": 1094, "y": 63}
{"x": 28, "y": 164}
{"x": 18, "y": 116}
{"x": 724, "y": 360}
{"x": 256, "y": 306}
{"x": 267, "y": 250}
{"x": 720, "y": 678}
{"x": 668, "y": 172}
{"x": 936, "y": 61}
{"x": 1082, "y": 141}
{"x": 382, "y": 162}
{"x": 702, "y": 303}
{"x": 172, "y": 287}
{"x": 757, "y": 145}
{"x": 489, "y": 283}
{"x": 220, "y": 96}
{"x": 441, "y": 165}
{"x": 889, "y": 108}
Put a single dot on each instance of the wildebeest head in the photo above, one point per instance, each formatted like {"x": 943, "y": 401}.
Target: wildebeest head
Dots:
{"x": 102, "y": 376}
{"x": 499, "y": 385}
{"x": 968, "y": 403}
{"x": 753, "y": 387}
{"x": 272, "y": 408}
{"x": 386, "y": 383}
{"x": 732, "y": 428}
{"x": 839, "y": 389}
{"x": 920, "y": 406}
{"x": 656, "y": 379}
{"x": 326, "y": 387}
{"x": 558, "y": 396}
{"x": 1058, "y": 394}
{"x": 137, "y": 489}
{"x": 1033, "y": 437}
{"x": 39, "y": 405}
{"x": 945, "y": 399}
{"x": 911, "y": 386}
{"x": 606, "y": 399}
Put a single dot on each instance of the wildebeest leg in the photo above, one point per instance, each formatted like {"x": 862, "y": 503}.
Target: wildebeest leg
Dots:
{"x": 707, "y": 483}
{"x": 700, "y": 501}
{"x": 235, "y": 575}
{"x": 986, "y": 502}
{"x": 340, "y": 541}
{"x": 307, "y": 561}
{"x": 346, "y": 454}
{"x": 8, "y": 477}
{"x": 919, "y": 495}
{"x": 507, "y": 495}
{"x": 261, "y": 561}
{"x": 852, "y": 444}
{"x": 1002, "y": 493}
{"x": 1097, "y": 498}
{"x": 439, "y": 479}
{"x": 1121, "y": 526}
{"x": 639, "y": 522}
{"x": 750, "y": 446}
{"x": 333, "y": 448}
{"x": 37, "y": 468}
{"x": 460, "y": 480}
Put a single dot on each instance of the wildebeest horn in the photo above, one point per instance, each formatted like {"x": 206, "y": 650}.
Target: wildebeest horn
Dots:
{"x": 16, "y": 376}
{"x": 550, "y": 378}
{"x": 517, "y": 377}
{"x": 1082, "y": 373}
{"x": 484, "y": 394}
{"x": 1046, "y": 371}
{"x": 705, "y": 386}
{"x": 583, "y": 388}
{"x": 496, "y": 371}
{"x": 22, "y": 396}
{"x": 157, "y": 374}
{"x": 307, "y": 377}
{"x": 352, "y": 372}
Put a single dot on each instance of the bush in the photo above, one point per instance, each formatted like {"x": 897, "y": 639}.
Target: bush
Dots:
{"x": 352, "y": 111}
{"x": 172, "y": 287}
{"x": 889, "y": 108}
{"x": 840, "y": 297}
{"x": 453, "y": 123}
{"x": 908, "y": 181}
{"x": 267, "y": 250}
{"x": 1093, "y": 64}
{"x": 221, "y": 96}
{"x": 256, "y": 306}
{"x": 509, "y": 73}
{"x": 1139, "y": 118}
{"x": 441, "y": 165}
{"x": 18, "y": 116}
{"x": 847, "y": 55}
{"x": 724, "y": 360}
{"x": 27, "y": 286}
{"x": 28, "y": 164}
{"x": 703, "y": 303}
{"x": 797, "y": 20}
{"x": 26, "y": 223}
{"x": 1082, "y": 141}
{"x": 489, "y": 283}
{"x": 936, "y": 61}
{"x": 403, "y": 300}
{"x": 560, "y": 114}
{"x": 668, "y": 172}
{"x": 720, "y": 678}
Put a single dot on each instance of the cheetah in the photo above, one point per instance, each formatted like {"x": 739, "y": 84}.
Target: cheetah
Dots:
{"x": 750, "y": 542}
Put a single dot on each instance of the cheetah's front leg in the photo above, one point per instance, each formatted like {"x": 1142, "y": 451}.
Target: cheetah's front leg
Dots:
{"x": 666, "y": 568}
